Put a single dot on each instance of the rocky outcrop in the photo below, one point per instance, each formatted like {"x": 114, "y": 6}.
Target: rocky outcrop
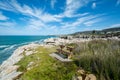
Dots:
{"x": 8, "y": 69}
{"x": 90, "y": 77}
{"x": 83, "y": 75}
{"x": 59, "y": 41}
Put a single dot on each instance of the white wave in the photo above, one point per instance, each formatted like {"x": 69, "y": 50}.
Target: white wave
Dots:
{"x": 25, "y": 43}
{"x": 4, "y": 46}
{"x": 38, "y": 41}
{"x": 8, "y": 48}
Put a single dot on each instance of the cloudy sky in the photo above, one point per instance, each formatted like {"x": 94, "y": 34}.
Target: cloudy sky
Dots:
{"x": 47, "y": 17}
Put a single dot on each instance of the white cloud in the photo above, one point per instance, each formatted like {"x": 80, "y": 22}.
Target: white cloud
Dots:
{"x": 35, "y": 24}
{"x": 91, "y": 22}
{"x": 115, "y": 25}
{"x": 39, "y": 20}
{"x": 14, "y": 6}
{"x": 93, "y": 5}
{"x": 59, "y": 16}
{"x": 73, "y": 5}
{"x": 49, "y": 18}
{"x": 6, "y": 5}
{"x": 118, "y": 2}
{"x": 84, "y": 19}
{"x": 53, "y": 3}
{"x": 70, "y": 10}
{"x": 87, "y": 20}
{"x": 7, "y": 24}
{"x": 3, "y": 17}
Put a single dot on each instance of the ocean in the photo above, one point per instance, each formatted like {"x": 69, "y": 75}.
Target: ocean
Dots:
{"x": 9, "y": 43}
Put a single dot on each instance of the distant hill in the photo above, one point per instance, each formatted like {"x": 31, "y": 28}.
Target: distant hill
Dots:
{"x": 112, "y": 29}
{"x": 108, "y": 30}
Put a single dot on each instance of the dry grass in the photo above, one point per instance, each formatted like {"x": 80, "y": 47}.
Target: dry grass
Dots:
{"x": 99, "y": 57}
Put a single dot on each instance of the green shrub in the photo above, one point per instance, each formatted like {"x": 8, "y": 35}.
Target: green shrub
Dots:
{"x": 100, "y": 57}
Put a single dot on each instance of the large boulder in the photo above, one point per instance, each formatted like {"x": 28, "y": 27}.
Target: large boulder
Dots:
{"x": 90, "y": 77}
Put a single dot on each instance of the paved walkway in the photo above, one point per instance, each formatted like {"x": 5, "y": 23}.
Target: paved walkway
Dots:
{"x": 60, "y": 58}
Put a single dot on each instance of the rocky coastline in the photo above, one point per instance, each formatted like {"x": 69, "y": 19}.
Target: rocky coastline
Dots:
{"x": 8, "y": 69}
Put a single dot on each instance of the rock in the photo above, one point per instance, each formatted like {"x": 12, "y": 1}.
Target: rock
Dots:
{"x": 38, "y": 58}
{"x": 90, "y": 77}
{"x": 83, "y": 75}
{"x": 30, "y": 64}
{"x": 29, "y": 53}
{"x": 8, "y": 69}
{"x": 81, "y": 71}
{"x": 79, "y": 78}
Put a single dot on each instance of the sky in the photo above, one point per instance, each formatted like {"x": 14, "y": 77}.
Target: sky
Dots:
{"x": 53, "y": 17}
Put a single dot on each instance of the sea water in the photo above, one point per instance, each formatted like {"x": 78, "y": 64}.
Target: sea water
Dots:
{"x": 9, "y": 43}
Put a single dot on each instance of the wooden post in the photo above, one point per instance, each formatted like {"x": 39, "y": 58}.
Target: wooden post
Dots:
{"x": 61, "y": 47}
{"x": 70, "y": 50}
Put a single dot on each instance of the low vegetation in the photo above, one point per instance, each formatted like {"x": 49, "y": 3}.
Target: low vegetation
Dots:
{"x": 46, "y": 67}
{"x": 100, "y": 57}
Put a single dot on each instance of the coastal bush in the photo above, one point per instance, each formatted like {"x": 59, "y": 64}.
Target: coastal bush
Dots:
{"x": 99, "y": 57}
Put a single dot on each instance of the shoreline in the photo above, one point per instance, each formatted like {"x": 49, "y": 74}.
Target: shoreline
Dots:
{"x": 8, "y": 69}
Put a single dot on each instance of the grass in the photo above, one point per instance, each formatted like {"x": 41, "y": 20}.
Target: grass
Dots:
{"x": 99, "y": 57}
{"x": 46, "y": 67}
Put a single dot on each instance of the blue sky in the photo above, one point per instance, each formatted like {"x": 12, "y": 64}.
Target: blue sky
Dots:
{"x": 48, "y": 17}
